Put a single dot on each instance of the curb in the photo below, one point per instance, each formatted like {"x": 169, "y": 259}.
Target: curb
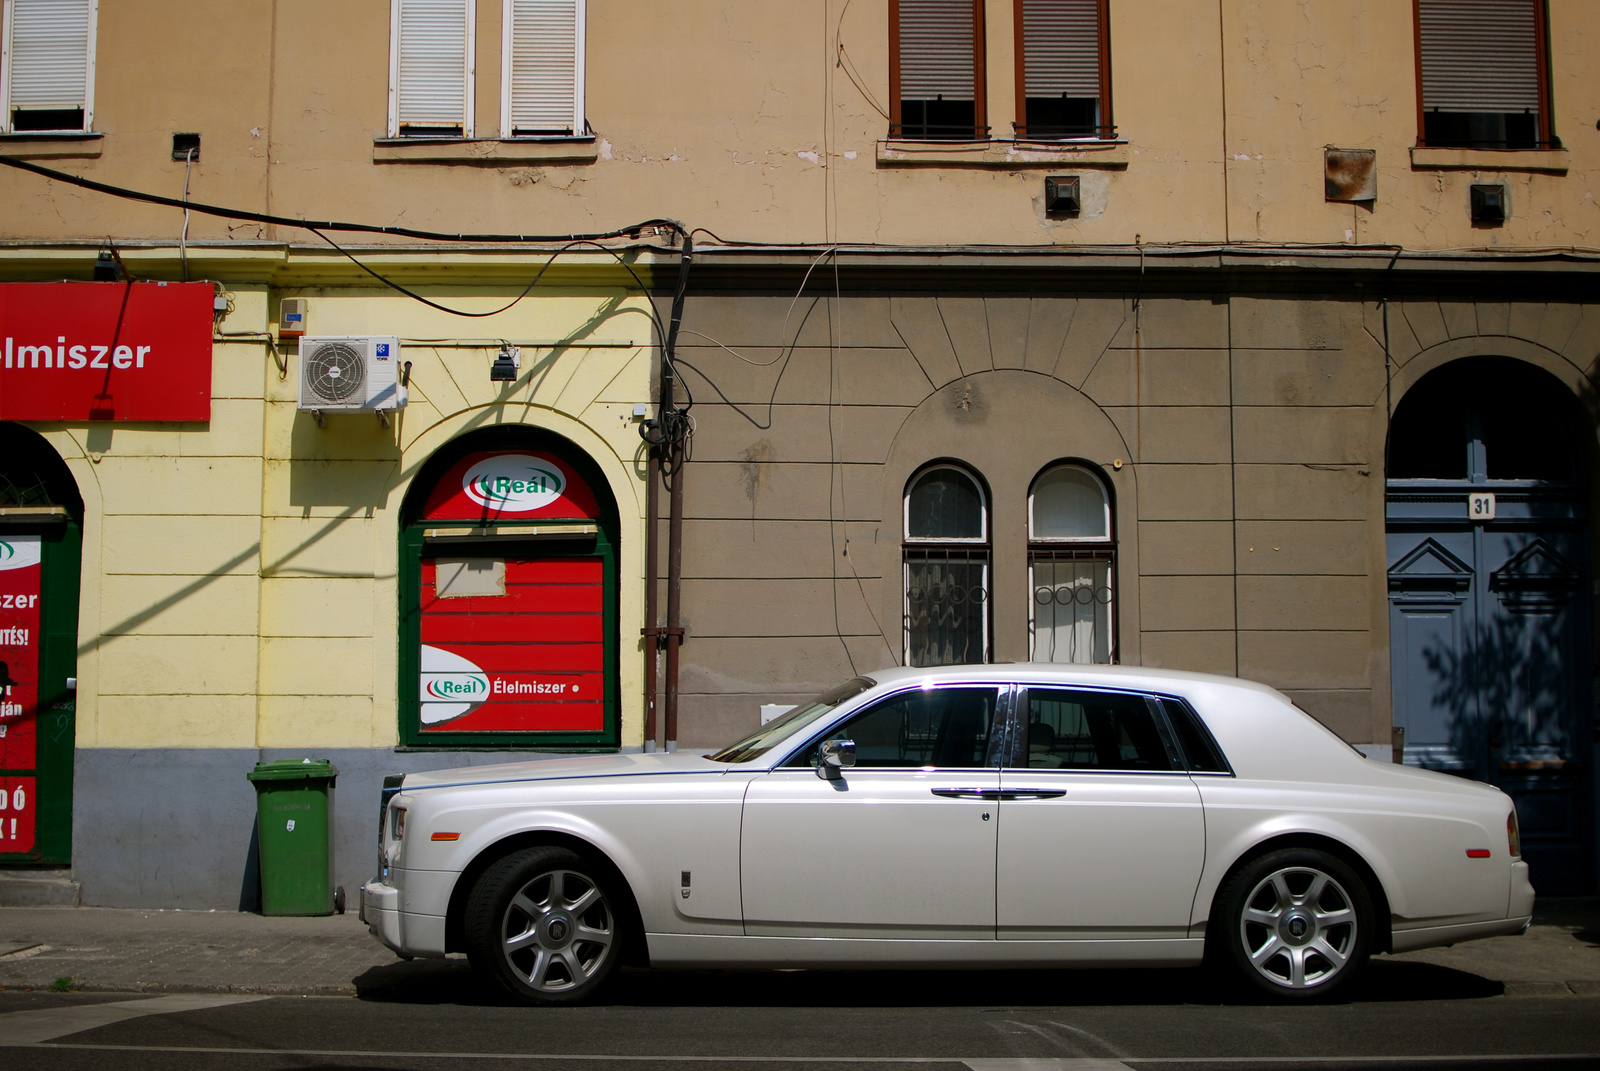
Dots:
{"x": 1553, "y": 989}
{"x": 269, "y": 990}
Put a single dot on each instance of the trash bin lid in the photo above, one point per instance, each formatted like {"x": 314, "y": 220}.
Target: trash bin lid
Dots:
{"x": 294, "y": 770}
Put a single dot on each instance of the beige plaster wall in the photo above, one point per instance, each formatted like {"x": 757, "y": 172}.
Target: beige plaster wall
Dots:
{"x": 761, "y": 122}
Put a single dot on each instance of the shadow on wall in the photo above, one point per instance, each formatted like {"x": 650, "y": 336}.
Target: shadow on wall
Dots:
{"x": 1504, "y": 685}
{"x": 353, "y": 459}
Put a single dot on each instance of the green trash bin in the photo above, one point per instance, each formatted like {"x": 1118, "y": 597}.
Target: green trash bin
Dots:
{"x": 294, "y": 822}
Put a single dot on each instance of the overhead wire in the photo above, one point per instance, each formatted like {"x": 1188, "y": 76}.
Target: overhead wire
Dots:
{"x": 634, "y": 230}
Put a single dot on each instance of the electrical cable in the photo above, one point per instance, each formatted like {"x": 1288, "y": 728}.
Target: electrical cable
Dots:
{"x": 632, "y": 231}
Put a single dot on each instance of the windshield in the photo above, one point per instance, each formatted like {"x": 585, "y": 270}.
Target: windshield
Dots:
{"x": 781, "y": 728}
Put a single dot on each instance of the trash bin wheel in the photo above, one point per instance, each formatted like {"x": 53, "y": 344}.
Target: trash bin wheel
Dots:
{"x": 338, "y": 899}
{"x": 542, "y": 923}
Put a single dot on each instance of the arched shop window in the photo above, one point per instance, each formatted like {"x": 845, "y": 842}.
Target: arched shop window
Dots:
{"x": 509, "y": 597}
{"x": 946, "y": 566}
{"x": 1071, "y": 567}
{"x": 41, "y": 519}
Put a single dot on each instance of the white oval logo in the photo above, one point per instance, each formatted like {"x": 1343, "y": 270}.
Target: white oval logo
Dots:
{"x": 18, "y": 552}
{"x": 514, "y": 483}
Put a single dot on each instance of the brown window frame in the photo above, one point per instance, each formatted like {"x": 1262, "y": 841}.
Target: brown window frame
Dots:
{"x": 1107, "y": 128}
{"x": 980, "y": 131}
{"x": 1546, "y": 138}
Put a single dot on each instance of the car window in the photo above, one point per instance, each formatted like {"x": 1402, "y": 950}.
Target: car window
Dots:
{"x": 1202, "y": 752}
{"x": 795, "y": 721}
{"x": 1081, "y": 730}
{"x": 930, "y": 727}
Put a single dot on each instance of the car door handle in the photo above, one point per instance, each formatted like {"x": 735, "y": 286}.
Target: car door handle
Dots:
{"x": 1000, "y": 793}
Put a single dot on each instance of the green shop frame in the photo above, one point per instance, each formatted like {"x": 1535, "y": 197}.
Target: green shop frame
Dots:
{"x": 41, "y": 554}
{"x": 508, "y": 598}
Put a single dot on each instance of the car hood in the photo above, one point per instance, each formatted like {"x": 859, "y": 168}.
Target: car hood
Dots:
{"x": 636, "y": 765}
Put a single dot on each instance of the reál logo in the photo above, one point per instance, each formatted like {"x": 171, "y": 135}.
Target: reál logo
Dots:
{"x": 514, "y": 483}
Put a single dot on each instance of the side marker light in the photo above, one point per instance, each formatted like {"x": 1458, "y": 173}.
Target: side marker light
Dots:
{"x": 457, "y": 836}
{"x": 1472, "y": 853}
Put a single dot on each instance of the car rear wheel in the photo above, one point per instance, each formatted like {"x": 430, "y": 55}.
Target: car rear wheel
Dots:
{"x": 542, "y": 923}
{"x": 1296, "y": 923}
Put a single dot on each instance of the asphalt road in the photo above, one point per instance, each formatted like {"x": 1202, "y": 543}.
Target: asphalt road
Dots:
{"x": 438, "y": 1017}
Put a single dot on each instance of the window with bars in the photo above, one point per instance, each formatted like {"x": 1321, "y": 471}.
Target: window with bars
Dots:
{"x": 1482, "y": 74}
{"x": 47, "y": 66}
{"x": 1071, "y": 568}
{"x": 1063, "y": 69}
{"x": 945, "y": 560}
{"x": 936, "y": 70}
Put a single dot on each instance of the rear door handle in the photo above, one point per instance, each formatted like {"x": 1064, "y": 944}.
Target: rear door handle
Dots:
{"x": 1000, "y": 793}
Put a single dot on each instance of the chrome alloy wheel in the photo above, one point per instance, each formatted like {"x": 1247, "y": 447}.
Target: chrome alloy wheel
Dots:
{"x": 1298, "y": 927}
{"x": 558, "y": 931}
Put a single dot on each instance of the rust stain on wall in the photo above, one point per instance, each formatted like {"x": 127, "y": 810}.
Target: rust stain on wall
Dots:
{"x": 1350, "y": 175}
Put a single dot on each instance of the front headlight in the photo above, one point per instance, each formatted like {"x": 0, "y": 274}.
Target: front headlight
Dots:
{"x": 1513, "y": 834}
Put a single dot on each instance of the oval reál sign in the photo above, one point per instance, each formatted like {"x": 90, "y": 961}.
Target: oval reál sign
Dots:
{"x": 514, "y": 483}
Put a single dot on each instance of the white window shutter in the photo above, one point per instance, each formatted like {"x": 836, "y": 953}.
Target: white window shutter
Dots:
{"x": 937, "y": 50}
{"x": 1061, "y": 48}
{"x": 1479, "y": 55}
{"x": 432, "y": 78}
{"x": 542, "y": 68}
{"x": 49, "y": 63}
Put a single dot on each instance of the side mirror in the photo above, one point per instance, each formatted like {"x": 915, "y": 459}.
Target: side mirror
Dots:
{"x": 834, "y": 756}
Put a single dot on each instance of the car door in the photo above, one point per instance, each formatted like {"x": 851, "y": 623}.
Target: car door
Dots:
{"x": 902, "y": 845}
{"x": 1104, "y": 834}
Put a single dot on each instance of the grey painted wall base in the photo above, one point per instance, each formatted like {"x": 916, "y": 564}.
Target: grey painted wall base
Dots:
{"x": 172, "y": 827}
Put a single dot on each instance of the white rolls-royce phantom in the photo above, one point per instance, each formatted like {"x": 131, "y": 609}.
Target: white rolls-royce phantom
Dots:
{"x": 995, "y": 816}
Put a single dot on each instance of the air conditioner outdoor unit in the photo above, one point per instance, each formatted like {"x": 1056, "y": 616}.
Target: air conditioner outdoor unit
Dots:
{"x": 350, "y": 372}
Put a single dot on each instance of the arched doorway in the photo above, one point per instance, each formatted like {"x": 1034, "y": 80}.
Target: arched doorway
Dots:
{"x": 41, "y": 554}
{"x": 508, "y": 597}
{"x": 1488, "y": 549}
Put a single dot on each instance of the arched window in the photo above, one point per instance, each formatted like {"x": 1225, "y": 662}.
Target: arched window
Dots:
{"x": 1071, "y": 567}
{"x": 946, "y": 567}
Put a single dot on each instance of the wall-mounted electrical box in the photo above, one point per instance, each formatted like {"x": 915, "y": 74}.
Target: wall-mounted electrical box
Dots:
{"x": 292, "y": 317}
{"x": 1488, "y": 205}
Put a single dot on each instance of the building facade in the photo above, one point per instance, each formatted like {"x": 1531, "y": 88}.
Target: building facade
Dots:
{"x": 1242, "y": 337}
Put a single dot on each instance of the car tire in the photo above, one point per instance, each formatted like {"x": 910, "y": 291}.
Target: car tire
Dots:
{"x": 543, "y": 923}
{"x": 1296, "y": 923}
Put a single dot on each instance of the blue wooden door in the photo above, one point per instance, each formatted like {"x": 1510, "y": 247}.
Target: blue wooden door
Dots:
{"x": 1489, "y": 612}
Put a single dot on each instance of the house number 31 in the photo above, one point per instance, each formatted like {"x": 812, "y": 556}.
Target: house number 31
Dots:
{"x": 1480, "y": 507}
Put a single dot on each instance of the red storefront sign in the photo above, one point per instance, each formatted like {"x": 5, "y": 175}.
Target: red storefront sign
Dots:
{"x": 105, "y": 351}
{"x": 511, "y": 642}
{"x": 20, "y": 574}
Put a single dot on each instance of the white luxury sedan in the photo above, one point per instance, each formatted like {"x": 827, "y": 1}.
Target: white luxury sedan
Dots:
{"x": 996, "y": 816}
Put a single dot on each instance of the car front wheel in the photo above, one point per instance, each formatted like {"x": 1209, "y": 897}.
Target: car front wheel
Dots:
{"x": 543, "y": 924}
{"x": 1296, "y": 922}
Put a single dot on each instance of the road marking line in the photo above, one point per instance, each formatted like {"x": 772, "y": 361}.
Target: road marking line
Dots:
{"x": 1047, "y": 1063}
{"x": 41, "y": 1024}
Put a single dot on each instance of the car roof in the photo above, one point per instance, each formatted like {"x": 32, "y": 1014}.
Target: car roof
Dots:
{"x": 1142, "y": 678}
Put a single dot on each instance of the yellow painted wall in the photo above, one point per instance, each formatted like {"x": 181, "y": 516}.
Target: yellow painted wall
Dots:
{"x": 239, "y": 577}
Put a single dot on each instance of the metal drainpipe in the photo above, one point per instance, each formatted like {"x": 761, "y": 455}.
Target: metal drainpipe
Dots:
{"x": 652, "y": 622}
{"x": 674, "y": 590}
{"x": 676, "y": 425}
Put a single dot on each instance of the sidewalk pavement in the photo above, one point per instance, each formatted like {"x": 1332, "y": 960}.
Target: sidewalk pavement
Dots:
{"x": 142, "y": 950}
